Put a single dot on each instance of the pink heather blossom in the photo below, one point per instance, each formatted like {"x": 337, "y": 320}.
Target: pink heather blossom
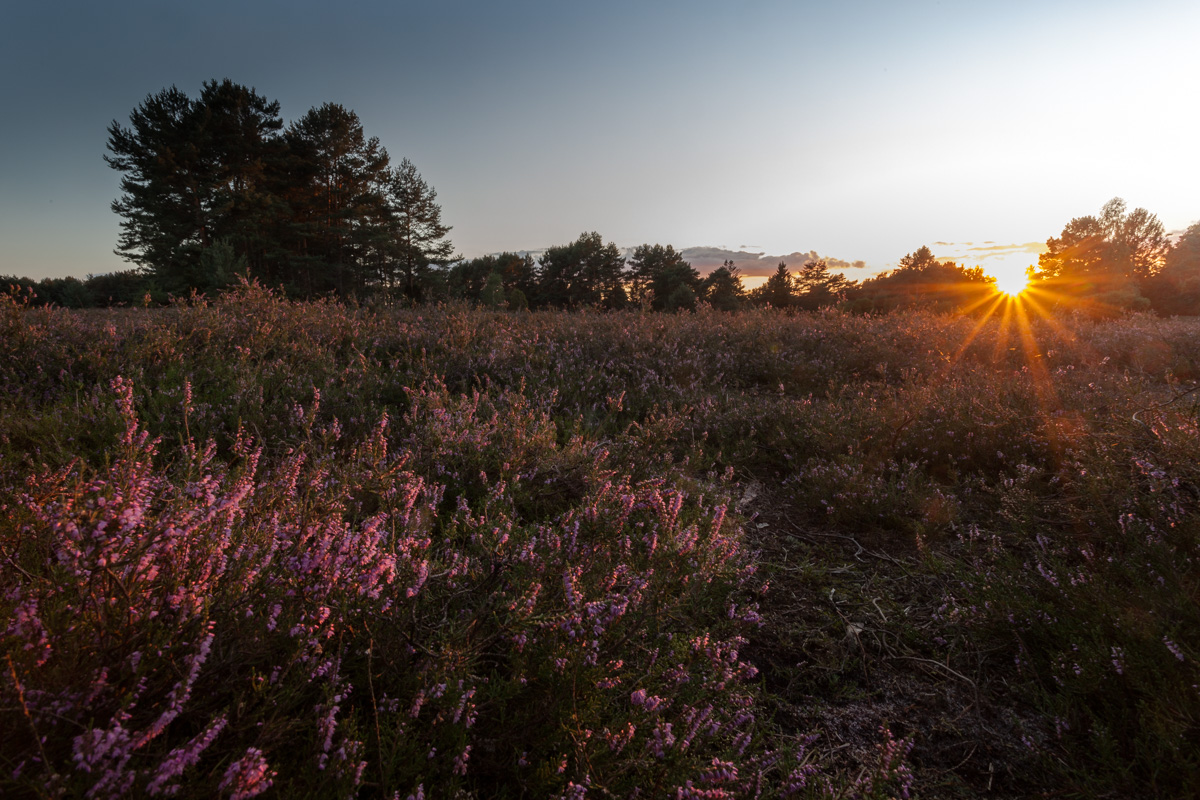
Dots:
{"x": 1174, "y": 648}
{"x": 28, "y": 626}
{"x": 181, "y": 758}
{"x": 249, "y": 776}
{"x": 460, "y": 761}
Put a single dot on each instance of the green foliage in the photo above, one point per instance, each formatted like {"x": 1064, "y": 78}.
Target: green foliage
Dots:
{"x": 921, "y": 280}
{"x": 722, "y": 288}
{"x": 219, "y": 267}
{"x": 1176, "y": 288}
{"x": 816, "y": 287}
{"x": 338, "y": 201}
{"x": 466, "y": 279}
{"x": 492, "y": 295}
{"x": 778, "y": 291}
{"x": 126, "y": 287}
{"x": 585, "y": 273}
{"x": 662, "y": 279}
{"x": 1105, "y": 258}
{"x": 315, "y": 208}
{"x": 419, "y": 239}
{"x": 195, "y": 173}
{"x": 682, "y": 298}
{"x": 517, "y": 300}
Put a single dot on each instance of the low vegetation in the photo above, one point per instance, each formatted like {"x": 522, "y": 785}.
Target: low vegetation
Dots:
{"x": 310, "y": 549}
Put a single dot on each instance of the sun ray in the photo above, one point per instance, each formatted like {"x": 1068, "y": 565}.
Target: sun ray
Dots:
{"x": 993, "y": 298}
{"x": 984, "y": 319}
{"x": 1004, "y": 332}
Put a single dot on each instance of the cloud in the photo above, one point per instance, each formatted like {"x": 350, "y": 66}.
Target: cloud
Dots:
{"x": 973, "y": 253}
{"x": 1008, "y": 249}
{"x": 750, "y": 263}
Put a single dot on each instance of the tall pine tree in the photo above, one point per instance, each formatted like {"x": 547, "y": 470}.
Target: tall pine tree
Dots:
{"x": 419, "y": 240}
{"x": 337, "y": 191}
{"x": 195, "y": 173}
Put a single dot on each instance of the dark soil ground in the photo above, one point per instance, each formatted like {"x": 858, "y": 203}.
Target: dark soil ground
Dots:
{"x": 847, "y": 647}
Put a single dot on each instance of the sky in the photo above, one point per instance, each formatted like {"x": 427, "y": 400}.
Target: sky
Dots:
{"x": 856, "y": 130}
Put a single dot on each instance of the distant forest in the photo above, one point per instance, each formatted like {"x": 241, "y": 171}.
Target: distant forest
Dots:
{"x": 216, "y": 190}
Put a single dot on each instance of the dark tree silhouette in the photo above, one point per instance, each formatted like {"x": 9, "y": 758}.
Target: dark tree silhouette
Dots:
{"x": 338, "y": 195}
{"x": 723, "y": 288}
{"x": 419, "y": 241}
{"x": 195, "y": 173}
{"x": 816, "y": 287}
{"x": 659, "y": 274}
{"x": 1175, "y": 289}
{"x": 211, "y": 188}
{"x": 586, "y": 272}
{"x": 922, "y": 280}
{"x": 778, "y": 291}
{"x": 466, "y": 279}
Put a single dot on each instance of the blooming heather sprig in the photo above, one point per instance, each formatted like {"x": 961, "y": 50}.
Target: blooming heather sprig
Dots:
{"x": 181, "y": 758}
{"x": 179, "y": 695}
{"x": 249, "y": 776}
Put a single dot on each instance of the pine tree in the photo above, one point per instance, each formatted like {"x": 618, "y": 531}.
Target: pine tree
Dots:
{"x": 779, "y": 290}
{"x": 195, "y": 173}
{"x": 723, "y": 288}
{"x": 586, "y": 272}
{"x": 817, "y": 287}
{"x": 658, "y": 273}
{"x": 337, "y": 190}
{"x": 247, "y": 155}
{"x": 419, "y": 237}
{"x": 165, "y": 188}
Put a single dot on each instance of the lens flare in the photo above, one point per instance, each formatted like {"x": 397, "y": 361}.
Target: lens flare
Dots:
{"x": 1011, "y": 284}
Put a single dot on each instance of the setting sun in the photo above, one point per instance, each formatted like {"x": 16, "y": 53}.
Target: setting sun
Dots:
{"x": 1012, "y": 283}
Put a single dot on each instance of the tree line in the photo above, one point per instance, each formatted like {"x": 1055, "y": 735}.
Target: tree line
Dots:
{"x": 216, "y": 189}
{"x": 1117, "y": 261}
{"x": 1101, "y": 272}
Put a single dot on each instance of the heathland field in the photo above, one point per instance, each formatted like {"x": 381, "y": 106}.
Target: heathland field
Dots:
{"x": 252, "y": 546}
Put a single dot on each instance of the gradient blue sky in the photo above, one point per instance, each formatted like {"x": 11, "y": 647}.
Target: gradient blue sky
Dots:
{"x": 861, "y": 130}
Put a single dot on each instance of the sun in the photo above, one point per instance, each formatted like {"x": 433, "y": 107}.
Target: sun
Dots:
{"x": 1012, "y": 283}
{"x": 1010, "y": 271}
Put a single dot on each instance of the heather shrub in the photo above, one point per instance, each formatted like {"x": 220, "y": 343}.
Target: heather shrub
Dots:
{"x": 1097, "y": 608}
{"x": 327, "y": 623}
{"x": 313, "y": 549}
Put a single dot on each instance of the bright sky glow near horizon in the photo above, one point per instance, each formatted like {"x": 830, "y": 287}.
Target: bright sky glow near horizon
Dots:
{"x": 860, "y": 130}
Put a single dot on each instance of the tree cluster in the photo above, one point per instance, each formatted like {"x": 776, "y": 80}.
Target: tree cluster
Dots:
{"x": 1122, "y": 260}
{"x": 919, "y": 280}
{"x": 588, "y": 273}
{"x": 217, "y": 186}
{"x": 922, "y": 280}
{"x": 125, "y": 288}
